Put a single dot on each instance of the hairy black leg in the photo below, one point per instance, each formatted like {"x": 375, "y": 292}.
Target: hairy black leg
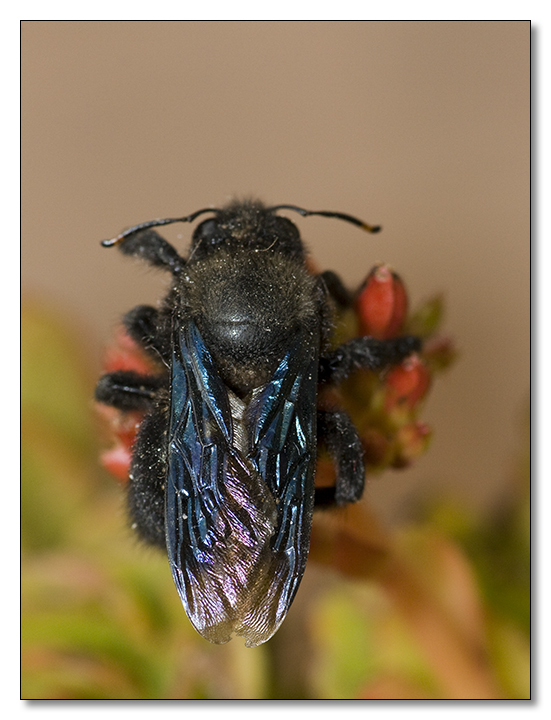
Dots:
{"x": 146, "y": 489}
{"x": 127, "y": 390}
{"x": 336, "y": 288}
{"x": 368, "y": 353}
{"x": 154, "y": 249}
{"x": 338, "y": 434}
{"x": 143, "y": 324}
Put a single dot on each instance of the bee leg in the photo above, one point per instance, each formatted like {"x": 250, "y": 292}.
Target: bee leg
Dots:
{"x": 143, "y": 324}
{"x": 154, "y": 249}
{"x": 127, "y": 390}
{"x": 338, "y": 434}
{"x": 367, "y": 353}
{"x": 336, "y": 288}
{"x": 146, "y": 487}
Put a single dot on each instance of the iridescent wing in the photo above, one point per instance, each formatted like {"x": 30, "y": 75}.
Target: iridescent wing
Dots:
{"x": 240, "y": 489}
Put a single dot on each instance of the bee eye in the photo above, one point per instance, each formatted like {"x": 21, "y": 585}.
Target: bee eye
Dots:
{"x": 206, "y": 230}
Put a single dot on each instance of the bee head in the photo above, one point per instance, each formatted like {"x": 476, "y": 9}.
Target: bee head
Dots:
{"x": 249, "y": 226}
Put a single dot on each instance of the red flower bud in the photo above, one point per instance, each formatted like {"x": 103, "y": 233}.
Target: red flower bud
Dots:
{"x": 125, "y": 354}
{"x": 406, "y": 383}
{"x": 123, "y": 427}
{"x": 117, "y": 461}
{"x": 381, "y": 304}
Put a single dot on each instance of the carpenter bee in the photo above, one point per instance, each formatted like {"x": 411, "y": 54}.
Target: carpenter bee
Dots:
{"x": 222, "y": 470}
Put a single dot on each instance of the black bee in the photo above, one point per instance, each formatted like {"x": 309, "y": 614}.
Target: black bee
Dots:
{"x": 222, "y": 471}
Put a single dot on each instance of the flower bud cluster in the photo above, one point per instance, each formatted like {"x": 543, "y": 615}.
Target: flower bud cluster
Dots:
{"x": 385, "y": 406}
{"x": 123, "y": 426}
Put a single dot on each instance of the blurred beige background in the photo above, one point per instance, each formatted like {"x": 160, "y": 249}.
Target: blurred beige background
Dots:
{"x": 422, "y": 127}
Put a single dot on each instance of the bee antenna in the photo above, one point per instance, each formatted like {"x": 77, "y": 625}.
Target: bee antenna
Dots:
{"x": 327, "y": 213}
{"x": 155, "y": 223}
